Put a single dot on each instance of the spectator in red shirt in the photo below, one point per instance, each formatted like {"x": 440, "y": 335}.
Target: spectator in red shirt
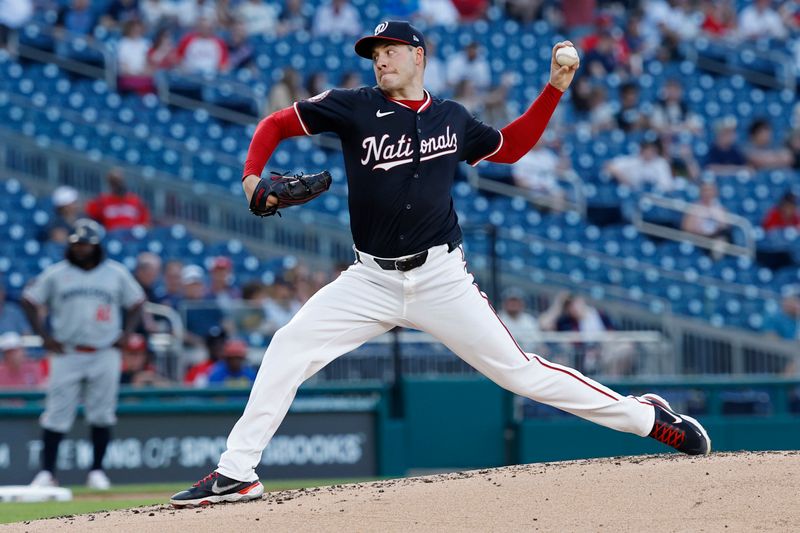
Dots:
{"x": 784, "y": 214}
{"x": 471, "y": 10}
{"x": 119, "y": 208}
{"x": 16, "y": 370}
{"x": 197, "y": 375}
{"x": 202, "y": 51}
{"x": 162, "y": 55}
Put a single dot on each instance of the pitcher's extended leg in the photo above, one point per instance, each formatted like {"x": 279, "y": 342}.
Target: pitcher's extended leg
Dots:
{"x": 460, "y": 316}
{"x": 337, "y": 319}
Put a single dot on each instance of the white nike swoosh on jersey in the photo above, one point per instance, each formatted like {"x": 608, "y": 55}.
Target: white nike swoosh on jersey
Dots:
{"x": 379, "y": 114}
{"x": 216, "y": 489}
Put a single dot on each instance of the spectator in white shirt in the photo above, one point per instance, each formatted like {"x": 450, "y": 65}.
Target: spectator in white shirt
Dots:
{"x": 337, "y": 17}
{"x": 648, "y": 167}
{"x": 438, "y": 12}
{"x": 760, "y": 21}
{"x": 258, "y": 17}
{"x": 707, "y": 217}
{"x": 522, "y": 325}
{"x": 134, "y": 70}
{"x": 538, "y": 171}
{"x": 156, "y": 12}
{"x": 190, "y": 12}
{"x": 435, "y": 75}
{"x": 471, "y": 65}
{"x": 13, "y": 15}
{"x": 202, "y": 51}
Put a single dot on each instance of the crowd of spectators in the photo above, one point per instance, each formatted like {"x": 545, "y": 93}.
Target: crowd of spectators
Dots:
{"x": 208, "y": 37}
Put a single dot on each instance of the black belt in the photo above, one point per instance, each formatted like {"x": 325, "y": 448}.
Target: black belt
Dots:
{"x": 411, "y": 262}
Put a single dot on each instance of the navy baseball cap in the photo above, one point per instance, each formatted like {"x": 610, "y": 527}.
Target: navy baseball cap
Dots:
{"x": 88, "y": 231}
{"x": 391, "y": 30}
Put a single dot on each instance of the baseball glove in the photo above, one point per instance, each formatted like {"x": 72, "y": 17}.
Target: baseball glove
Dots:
{"x": 289, "y": 190}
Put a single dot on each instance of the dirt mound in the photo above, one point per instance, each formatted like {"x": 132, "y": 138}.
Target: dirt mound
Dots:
{"x": 724, "y": 491}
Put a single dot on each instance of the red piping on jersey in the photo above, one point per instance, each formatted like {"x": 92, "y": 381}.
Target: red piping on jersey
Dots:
{"x": 489, "y": 156}
{"x": 299, "y": 118}
{"x": 278, "y": 126}
{"x": 415, "y": 105}
{"x": 521, "y": 135}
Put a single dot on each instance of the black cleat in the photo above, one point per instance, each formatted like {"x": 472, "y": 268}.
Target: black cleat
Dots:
{"x": 216, "y": 488}
{"x": 682, "y": 432}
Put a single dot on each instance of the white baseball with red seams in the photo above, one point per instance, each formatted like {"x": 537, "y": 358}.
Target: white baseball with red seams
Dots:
{"x": 439, "y": 297}
{"x": 567, "y": 56}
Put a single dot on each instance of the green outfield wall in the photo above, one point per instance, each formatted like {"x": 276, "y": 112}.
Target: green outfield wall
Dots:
{"x": 376, "y": 430}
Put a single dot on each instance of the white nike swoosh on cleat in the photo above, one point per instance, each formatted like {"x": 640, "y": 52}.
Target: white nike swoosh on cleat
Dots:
{"x": 216, "y": 489}
{"x": 380, "y": 114}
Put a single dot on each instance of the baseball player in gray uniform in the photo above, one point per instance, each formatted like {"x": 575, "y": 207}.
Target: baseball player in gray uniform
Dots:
{"x": 84, "y": 297}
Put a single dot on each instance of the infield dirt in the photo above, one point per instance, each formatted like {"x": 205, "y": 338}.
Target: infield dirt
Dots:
{"x": 749, "y": 491}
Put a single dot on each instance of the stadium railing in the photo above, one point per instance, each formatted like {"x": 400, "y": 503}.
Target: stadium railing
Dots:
{"x": 648, "y": 201}
{"x": 319, "y": 239}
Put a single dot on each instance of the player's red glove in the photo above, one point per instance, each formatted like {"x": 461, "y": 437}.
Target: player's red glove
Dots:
{"x": 288, "y": 190}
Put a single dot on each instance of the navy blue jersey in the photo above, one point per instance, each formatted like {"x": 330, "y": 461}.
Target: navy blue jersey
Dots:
{"x": 400, "y": 164}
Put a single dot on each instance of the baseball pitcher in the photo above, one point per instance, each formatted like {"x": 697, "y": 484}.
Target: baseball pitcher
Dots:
{"x": 402, "y": 147}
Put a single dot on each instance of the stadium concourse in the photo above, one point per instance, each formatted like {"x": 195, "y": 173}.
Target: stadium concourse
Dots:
{"x": 666, "y": 80}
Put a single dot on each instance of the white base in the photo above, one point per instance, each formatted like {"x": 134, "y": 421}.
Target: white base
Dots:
{"x": 26, "y": 493}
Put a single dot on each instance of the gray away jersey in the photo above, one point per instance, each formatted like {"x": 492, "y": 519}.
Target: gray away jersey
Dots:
{"x": 85, "y": 306}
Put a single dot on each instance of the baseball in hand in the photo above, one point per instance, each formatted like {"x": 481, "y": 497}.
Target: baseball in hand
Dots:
{"x": 567, "y": 56}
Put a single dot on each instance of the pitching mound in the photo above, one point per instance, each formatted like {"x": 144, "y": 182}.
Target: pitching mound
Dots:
{"x": 737, "y": 491}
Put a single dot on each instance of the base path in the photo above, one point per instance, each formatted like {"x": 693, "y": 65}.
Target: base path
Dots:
{"x": 722, "y": 492}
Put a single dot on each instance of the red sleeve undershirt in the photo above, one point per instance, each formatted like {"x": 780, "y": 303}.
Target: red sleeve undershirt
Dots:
{"x": 278, "y": 126}
{"x": 518, "y": 137}
{"x": 522, "y": 134}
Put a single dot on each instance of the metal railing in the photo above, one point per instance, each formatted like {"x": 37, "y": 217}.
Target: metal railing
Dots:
{"x": 576, "y": 201}
{"x": 643, "y": 344}
{"x": 170, "y": 97}
{"x": 783, "y": 62}
{"x": 648, "y": 201}
{"x": 166, "y": 342}
{"x": 109, "y": 72}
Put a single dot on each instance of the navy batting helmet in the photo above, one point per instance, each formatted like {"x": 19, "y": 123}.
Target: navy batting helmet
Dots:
{"x": 88, "y": 231}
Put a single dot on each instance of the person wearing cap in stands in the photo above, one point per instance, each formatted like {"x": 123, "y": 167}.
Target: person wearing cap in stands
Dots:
{"x": 16, "y": 370}
{"x": 197, "y": 375}
{"x": 200, "y": 311}
{"x": 222, "y": 286}
{"x": 137, "y": 368}
{"x": 78, "y": 307}
{"x": 67, "y": 209}
{"x": 232, "y": 370}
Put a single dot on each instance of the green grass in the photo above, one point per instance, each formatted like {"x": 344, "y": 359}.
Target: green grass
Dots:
{"x": 92, "y": 501}
{"x": 18, "y": 512}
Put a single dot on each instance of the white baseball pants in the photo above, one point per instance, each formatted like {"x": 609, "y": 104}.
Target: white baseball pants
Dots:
{"x": 438, "y": 297}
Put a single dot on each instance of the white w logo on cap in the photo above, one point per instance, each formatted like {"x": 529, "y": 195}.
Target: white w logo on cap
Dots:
{"x": 380, "y": 28}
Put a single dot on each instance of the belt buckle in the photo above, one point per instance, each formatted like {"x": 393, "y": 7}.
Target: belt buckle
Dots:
{"x": 400, "y": 264}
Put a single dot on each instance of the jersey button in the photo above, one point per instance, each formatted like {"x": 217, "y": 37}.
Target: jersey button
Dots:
{"x": 402, "y": 237}
{"x": 408, "y": 206}
{"x": 419, "y": 130}
{"x": 416, "y": 175}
